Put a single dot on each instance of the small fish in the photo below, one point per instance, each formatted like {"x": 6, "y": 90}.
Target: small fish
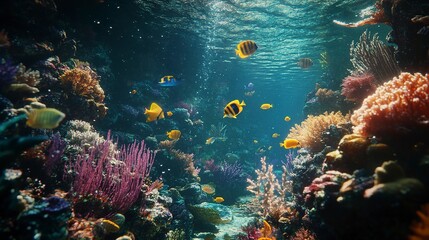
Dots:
{"x": 210, "y": 140}
{"x": 174, "y": 134}
{"x": 154, "y": 113}
{"x": 290, "y": 143}
{"x": 270, "y": 147}
{"x": 30, "y": 99}
{"x": 275, "y": 135}
{"x": 218, "y": 199}
{"x": 246, "y": 48}
{"x": 249, "y": 87}
{"x": 133, "y": 91}
{"x": 262, "y": 149}
{"x": 208, "y": 188}
{"x": 287, "y": 118}
{"x": 305, "y": 63}
{"x": 169, "y": 113}
{"x": 266, "y": 106}
{"x": 233, "y": 108}
{"x": 255, "y": 141}
{"x": 250, "y": 93}
{"x": 168, "y": 81}
{"x": 44, "y": 118}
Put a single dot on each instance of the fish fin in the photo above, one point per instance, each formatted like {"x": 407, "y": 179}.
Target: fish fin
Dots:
{"x": 281, "y": 144}
{"x": 243, "y": 103}
{"x": 234, "y": 116}
{"x": 146, "y": 110}
{"x": 224, "y": 116}
{"x": 237, "y": 52}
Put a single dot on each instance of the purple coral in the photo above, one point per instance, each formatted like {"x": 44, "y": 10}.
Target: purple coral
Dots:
{"x": 117, "y": 177}
{"x": 230, "y": 181}
{"x": 55, "y": 152}
{"x": 7, "y": 73}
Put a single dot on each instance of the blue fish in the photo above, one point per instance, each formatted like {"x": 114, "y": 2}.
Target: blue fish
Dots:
{"x": 168, "y": 81}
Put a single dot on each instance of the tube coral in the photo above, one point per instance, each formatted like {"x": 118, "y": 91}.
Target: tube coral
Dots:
{"x": 399, "y": 104}
{"x": 309, "y": 132}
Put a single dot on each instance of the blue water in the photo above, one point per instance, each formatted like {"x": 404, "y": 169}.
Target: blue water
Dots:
{"x": 195, "y": 41}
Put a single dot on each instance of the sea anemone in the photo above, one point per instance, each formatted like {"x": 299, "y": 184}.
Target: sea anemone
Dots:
{"x": 357, "y": 87}
{"x": 400, "y": 105}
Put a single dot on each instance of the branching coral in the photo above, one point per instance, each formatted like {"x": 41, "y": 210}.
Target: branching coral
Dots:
{"x": 370, "y": 55}
{"x": 421, "y": 229}
{"x": 269, "y": 193}
{"x": 187, "y": 160}
{"x": 357, "y": 87}
{"x": 402, "y": 103}
{"x": 84, "y": 82}
{"x": 309, "y": 132}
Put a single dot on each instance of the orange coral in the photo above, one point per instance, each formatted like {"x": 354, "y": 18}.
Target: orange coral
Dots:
{"x": 84, "y": 82}
{"x": 421, "y": 229}
{"x": 309, "y": 133}
{"x": 401, "y": 103}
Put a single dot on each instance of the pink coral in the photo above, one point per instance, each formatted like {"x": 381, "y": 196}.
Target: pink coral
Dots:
{"x": 399, "y": 104}
{"x": 357, "y": 87}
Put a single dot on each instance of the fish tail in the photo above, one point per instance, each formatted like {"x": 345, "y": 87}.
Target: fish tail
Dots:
{"x": 146, "y": 110}
{"x": 237, "y": 52}
{"x": 243, "y": 103}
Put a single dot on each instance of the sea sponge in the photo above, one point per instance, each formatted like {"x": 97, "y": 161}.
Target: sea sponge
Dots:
{"x": 399, "y": 104}
{"x": 309, "y": 132}
{"x": 84, "y": 82}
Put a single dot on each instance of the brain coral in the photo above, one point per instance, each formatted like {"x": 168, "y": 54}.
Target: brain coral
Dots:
{"x": 401, "y": 104}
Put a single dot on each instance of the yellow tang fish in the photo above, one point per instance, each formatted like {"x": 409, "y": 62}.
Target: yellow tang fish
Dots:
{"x": 266, "y": 106}
{"x": 174, "y": 134}
{"x": 45, "y": 118}
{"x": 233, "y": 108}
{"x": 246, "y": 48}
{"x": 275, "y": 135}
{"x": 154, "y": 113}
{"x": 287, "y": 118}
{"x": 218, "y": 199}
{"x": 290, "y": 143}
{"x": 169, "y": 113}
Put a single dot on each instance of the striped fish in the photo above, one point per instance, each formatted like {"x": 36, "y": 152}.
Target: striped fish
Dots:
{"x": 44, "y": 118}
{"x": 305, "y": 62}
{"x": 233, "y": 108}
{"x": 246, "y": 48}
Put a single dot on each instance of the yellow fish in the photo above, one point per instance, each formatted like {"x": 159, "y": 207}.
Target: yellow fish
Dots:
{"x": 174, "y": 134}
{"x": 233, "y": 108}
{"x": 218, "y": 199}
{"x": 287, "y": 118}
{"x": 210, "y": 140}
{"x": 266, "y": 106}
{"x": 275, "y": 135}
{"x": 154, "y": 113}
{"x": 246, "y": 48}
{"x": 290, "y": 143}
{"x": 45, "y": 118}
{"x": 169, "y": 113}
{"x": 255, "y": 141}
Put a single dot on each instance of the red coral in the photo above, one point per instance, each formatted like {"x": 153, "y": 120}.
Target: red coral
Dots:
{"x": 303, "y": 234}
{"x": 357, "y": 87}
{"x": 399, "y": 104}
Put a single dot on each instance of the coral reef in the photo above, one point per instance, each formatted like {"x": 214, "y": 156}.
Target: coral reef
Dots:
{"x": 309, "y": 132}
{"x": 370, "y": 55}
{"x": 420, "y": 229}
{"x": 270, "y": 195}
{"x": 397, "y": 108}
{"x": 357, "y": 87}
